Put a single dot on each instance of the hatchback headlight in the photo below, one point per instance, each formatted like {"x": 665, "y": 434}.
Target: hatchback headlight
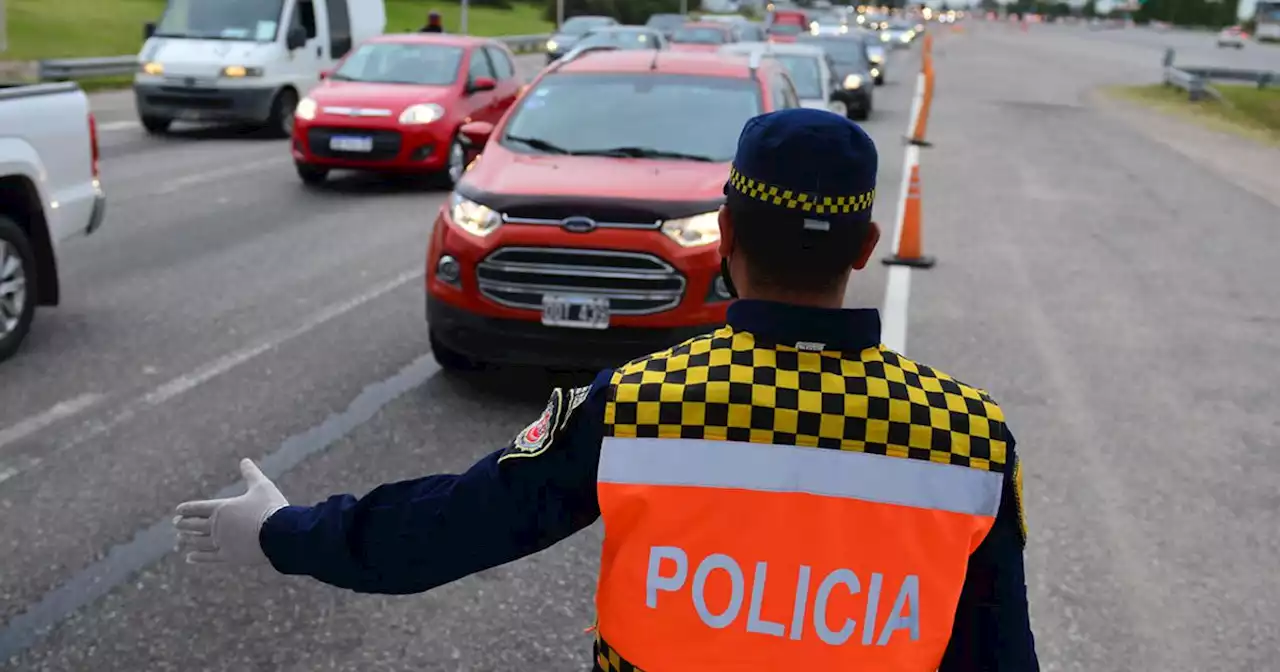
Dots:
{"x": 306, "y": 109}
{"x": 853, "y": 82}
{"x": 476, "y": 219}
{"x": 702, "y": 229}
{"x": 884, "y": 37}
{"x": 421, "y": 114}
{"x": 551, "y": 45}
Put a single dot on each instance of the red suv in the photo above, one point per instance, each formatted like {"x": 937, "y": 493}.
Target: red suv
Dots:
{"x": 586, "y": 233}
{"x": 396, "y": 102}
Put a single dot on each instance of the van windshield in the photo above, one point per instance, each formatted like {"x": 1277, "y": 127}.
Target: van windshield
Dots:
{"x": 256, "y": 20}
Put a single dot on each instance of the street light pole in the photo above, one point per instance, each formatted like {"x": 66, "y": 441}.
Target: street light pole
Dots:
{"x": 559, "y": 14}
{"x": 4, "y": 35}
{"x": 462, "y": 19}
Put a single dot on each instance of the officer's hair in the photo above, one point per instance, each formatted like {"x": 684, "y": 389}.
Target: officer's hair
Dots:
{"x": 780, "y": 253}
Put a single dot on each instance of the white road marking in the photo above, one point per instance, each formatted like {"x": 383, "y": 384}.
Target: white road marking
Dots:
{"x": 59, "y": 411}
{"x": 897, "y": 290}
{"x": 202, "y": 179}
{"x": 111, "y": 126}
{"x": 201, "y": 375}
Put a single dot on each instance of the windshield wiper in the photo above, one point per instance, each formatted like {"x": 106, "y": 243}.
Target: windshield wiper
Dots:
{"x": 540, "y": 145}
{"x": 644, "y": 153}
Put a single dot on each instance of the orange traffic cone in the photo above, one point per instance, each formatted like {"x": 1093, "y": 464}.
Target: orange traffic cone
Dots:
{"x": 926, "y": 103}
{"x": 910, "y": 246}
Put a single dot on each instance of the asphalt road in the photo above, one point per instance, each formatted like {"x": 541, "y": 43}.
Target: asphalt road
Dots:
{"x": 1115, "y": 293}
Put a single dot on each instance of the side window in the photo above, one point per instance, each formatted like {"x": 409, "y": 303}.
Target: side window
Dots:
{"x": 304, "y": 14}
{"x": 480, "y": 66}
{"x": 339, "y": 28}
{"x": 787, "y": 92}
{"x": 502, "y": 66}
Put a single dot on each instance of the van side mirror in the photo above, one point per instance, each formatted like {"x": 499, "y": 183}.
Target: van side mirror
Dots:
{"x": 325, "y": 74}
{"x": 296, "y": 39}
{"x": 482, "y": 84}
{"x": 476, "y": 134}
{"x": 148, "y": 30}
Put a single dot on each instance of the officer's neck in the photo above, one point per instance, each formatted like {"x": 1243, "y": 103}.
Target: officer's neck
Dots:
{"x": 833, "y": 300}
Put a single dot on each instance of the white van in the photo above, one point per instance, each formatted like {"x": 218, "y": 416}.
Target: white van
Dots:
{"x": 244, "y": 61}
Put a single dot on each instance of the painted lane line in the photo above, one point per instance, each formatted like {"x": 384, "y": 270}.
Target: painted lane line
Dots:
{"x": 59, "y": 411}
{"x": 202, "y": 179}
{"x": 897, "y": 290}
{"x": 149, "y": 545}
{"x": 203, "y": 374}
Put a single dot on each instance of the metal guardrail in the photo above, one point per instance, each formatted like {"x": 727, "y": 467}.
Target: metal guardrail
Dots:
{"x": 1196, "y": 80}
{"x": 87, "y": 68}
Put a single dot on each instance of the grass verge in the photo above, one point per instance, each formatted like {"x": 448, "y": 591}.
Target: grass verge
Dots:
{"x": 1246, "y": 111}
{"x": 43, "y": 29}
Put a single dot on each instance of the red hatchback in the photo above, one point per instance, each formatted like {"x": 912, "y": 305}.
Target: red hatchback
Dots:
{"x": 706, "y": 36}
{"x": 396, "y": 102}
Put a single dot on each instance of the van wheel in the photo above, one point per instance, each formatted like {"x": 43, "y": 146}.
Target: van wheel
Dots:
{"x": 281, "y": 123}
{"x": 156, "y": 125}
{"x": 450, "y": 359}
{"x": 17, "y": 276}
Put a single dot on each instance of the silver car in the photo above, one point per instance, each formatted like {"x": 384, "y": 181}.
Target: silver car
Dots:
{"x": 897, "y": 35}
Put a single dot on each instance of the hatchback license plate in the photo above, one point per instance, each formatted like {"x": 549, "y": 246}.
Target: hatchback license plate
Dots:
{"x": 346, "y": 143}
{"x": 577, "y": 312}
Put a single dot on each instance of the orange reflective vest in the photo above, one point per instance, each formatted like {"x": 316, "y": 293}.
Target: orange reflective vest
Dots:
{"x": 772, "y": 509}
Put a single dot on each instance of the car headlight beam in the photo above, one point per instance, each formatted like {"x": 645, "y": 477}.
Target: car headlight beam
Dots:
{"x": 703, "y": 229}
{"x": 240, "y": 71}
{"x": 306, "y": 109}
{"x": 853, "y": 81}
{"x": 152, "y": 68}
{"x": 472, "y": 217}
{"x": 551, "y": 45}
{"x": 421, "y": 114}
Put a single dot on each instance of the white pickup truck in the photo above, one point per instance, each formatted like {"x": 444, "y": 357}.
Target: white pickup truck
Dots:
{"x": 49, "y": 192}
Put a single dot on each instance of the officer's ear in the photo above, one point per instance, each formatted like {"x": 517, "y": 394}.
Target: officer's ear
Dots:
{"x": 726, "y": 233}
{"x": 868, "y": 246}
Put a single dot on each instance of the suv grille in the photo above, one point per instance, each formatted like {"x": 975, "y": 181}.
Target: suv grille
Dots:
{"x": 635, "y": 283}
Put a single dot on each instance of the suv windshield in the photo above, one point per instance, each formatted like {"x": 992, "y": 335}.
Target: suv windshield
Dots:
{"x": 699, "y": 35}
{"x": 805, "y": 74}
{"x": 581, "y": 24}
{"x": 256, "y": 20}
{"x": 622, "y": 39}
{"x": 647, "y": 115}
{"x": 388, "y": 62}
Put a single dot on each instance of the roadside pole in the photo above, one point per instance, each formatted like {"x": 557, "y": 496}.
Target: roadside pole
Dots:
{"x": 559, "y": 14}
{"x": 462, "y": 19}
{"x": 4, "y": 34}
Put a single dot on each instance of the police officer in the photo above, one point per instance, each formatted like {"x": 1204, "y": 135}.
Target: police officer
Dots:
{"x": 433, "y": 23}
{"x": 782, "y": 494}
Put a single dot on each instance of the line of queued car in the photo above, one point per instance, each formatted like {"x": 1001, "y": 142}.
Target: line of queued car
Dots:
{"x": 581, "y": 228}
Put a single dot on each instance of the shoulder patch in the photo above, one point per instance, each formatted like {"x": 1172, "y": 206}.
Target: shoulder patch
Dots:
{"x": 1017, "y": 498}
{"x": 541, "y": 434}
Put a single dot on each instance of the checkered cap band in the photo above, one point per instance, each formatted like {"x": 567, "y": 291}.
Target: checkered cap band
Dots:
{"x": 724, "y": 386}
{"x": 795, "y": 200}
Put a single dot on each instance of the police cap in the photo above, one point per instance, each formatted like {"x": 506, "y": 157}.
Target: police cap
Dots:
{"x": 804, "y": 165}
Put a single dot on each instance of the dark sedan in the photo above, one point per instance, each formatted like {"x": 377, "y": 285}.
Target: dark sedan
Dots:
{"x": 848, "y": 62}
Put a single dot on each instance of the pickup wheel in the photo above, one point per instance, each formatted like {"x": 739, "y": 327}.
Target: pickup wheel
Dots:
{"x": 452, "y": 360}
{"x": 156, "y": 125}
{"x": 281, "y": 123}
{"x": 17, "y": 274}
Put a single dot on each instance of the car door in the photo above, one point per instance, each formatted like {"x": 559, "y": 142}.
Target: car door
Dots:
{"x": 481, "y": 105}
{"x": 508, "y": 85}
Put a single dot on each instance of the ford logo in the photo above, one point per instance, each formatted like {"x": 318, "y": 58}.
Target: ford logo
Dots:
{"x": 578, "y": 224}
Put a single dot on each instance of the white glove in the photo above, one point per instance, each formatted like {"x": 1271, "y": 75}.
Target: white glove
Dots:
{"x": 226, "y": 530}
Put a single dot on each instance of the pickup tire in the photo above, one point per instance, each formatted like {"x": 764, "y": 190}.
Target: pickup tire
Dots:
{"x": 17, "y": 285}
{"x": 156, "y": 125}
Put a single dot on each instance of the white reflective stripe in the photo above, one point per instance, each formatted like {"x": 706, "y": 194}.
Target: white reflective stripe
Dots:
{"x": 818, "y": 471}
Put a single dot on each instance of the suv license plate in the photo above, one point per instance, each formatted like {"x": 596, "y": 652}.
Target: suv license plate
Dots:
{"x": 346, "y": 143}
{"x": 577, "y": 312}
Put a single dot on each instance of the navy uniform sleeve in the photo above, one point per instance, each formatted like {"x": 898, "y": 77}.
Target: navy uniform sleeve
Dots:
{"x": 412, "y": 536}
{"x": 992, "y": 631}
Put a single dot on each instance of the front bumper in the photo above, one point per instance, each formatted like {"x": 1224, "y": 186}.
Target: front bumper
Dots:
{"x": 520, "y": 342}
{"x": 858, "y": 100}
{"x": 406, "y": 149}
{"x": 99, "y": 211}
{"x": 194, "y": 103}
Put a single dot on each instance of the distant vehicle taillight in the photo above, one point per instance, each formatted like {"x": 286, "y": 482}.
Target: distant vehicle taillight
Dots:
{"x": 93, "y": 143}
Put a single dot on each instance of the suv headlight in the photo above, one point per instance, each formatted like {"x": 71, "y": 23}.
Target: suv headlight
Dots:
{"x": 421, "y": 114}
{"x": 853, "y": 82}
{"x": 476, "y": 219}
{"x": 702, "y": 229}
{"x": 306, "y": 110}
